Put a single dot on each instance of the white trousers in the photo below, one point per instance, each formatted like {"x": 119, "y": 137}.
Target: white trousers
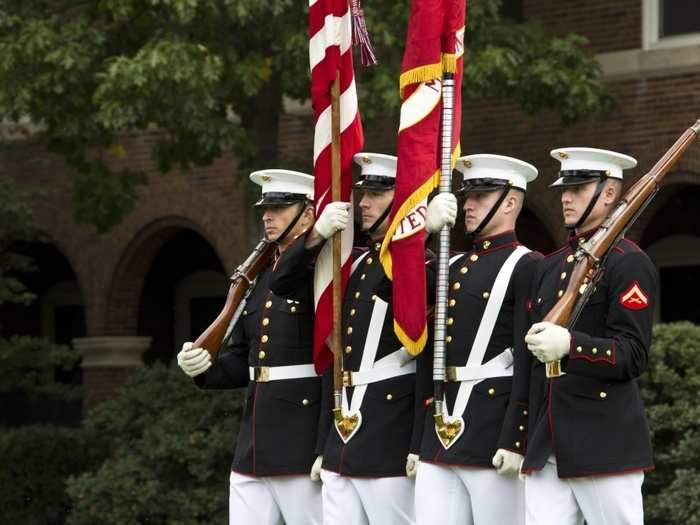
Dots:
{"x": 294, "y": 500}
{"x": 599, "y": 500}
{"x": 367, "y": 501}
{"x": 467, "y": 496}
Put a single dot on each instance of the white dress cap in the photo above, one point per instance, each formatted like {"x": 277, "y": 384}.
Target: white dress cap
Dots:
{"x": 378, "y": 170}
{"x": 484, "y": 171}
{"x": 582, "y": 160}
{"x": 283, "y": 186}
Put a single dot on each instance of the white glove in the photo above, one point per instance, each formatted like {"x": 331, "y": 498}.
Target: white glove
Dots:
{"x": 412, "y": 465}
{"x": 404, "y": 357}
{"x": 442, "y": 210}
{"x": 335, "y": 217}
{"x": 315, "y": 473}
{"x": 548, "y": 341}
{"x": 193, "y": 361}
{"x": 507, "y": 462}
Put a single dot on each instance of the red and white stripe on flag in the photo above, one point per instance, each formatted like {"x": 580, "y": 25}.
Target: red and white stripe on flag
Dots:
{"x": 330, "y": 37}
{"x": 434, "y": 45}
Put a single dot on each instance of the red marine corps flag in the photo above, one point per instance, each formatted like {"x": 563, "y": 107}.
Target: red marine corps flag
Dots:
{"x": 434, "y": 47}
{"x": 330, "y": 53}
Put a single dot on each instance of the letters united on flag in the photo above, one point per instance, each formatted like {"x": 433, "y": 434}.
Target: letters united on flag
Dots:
{"x": 434, "y": 45}
{"x": 330, "y": 34}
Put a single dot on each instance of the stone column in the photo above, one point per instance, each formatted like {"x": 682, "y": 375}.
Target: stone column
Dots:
{"x": 108, "y": 362}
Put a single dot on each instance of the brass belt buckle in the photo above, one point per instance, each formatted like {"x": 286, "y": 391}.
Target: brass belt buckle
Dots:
{"x": 451, "y": 374}
{"x": 261, "y": 374}
{"x": 347, "y": 378}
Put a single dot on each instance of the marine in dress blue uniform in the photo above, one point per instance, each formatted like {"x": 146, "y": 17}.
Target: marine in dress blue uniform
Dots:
{"x": 269, "y": 352}
{"x": 589, "y": 441}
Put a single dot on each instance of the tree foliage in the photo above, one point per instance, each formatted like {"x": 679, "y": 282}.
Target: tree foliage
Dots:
{"x": 211, "y": 75}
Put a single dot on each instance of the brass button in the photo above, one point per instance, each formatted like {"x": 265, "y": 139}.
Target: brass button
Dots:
{"x": 374, "y": 297}
{"x": 377, "y": 245}
{"x": 524, "y": 412}
{"x": 450, "y": 321}
{"x": 562, "y": 276}
{"x": 594, "y": 351}
{"x": 369, "y": 260}
{"x": 463, "y": 270}
{"x": 363, "y": 276}
{"x": 492, "y": 391}
{"x": 521, "y": 428}
{"x": 264, "y": 338}
{"x": 389, "y": 397}
{"x": 349, "y": 331}
{"x": 456, "y": 286}
{"x": 579, "y": 349}
{"x": 261, "y": 354}
{"x": 560, "y": 293}
{"x": 352, "y": 312}
{"x": 485, "y": 295}
{"x": 245, "y": 312}
{"x": 268, "y": 304}
{"x": 486, "y": 245}
{"x": 608, "y": 353}
{"x": 448, "y": 339}
{"x": 348, "y": 349}
{"x": 293, "y": 309}
{"x": 266, "y": 321}
{"x": 517, "y": 444}
{"x": 539, "y": 300}
{"x": 570, "y": 258}
{"x": 581, "y": 241}
{"x": 357, "y": 295}
{"x": 603, "y": 395}
{"x": 474, "y": 257}
{"x": 452, "y": 302}
{"x": 304, "y": 401}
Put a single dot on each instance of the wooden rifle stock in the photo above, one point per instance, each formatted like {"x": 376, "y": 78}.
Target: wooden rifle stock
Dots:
{"x": 591, "y": 255}
{"x": 241, "y": 280}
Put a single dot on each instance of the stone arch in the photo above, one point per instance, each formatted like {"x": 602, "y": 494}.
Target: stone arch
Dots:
{"x": 130, "y": 273}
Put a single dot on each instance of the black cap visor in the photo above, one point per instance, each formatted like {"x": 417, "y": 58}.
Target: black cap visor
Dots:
{"x": 576, "y": 177}
{"x": 485, "y": 184}
{"x": 276, "y": 198}
{"x": 375, "y": 182}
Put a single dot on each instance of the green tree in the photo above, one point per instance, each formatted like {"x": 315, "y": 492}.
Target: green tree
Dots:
{"x": 211, "y": 76}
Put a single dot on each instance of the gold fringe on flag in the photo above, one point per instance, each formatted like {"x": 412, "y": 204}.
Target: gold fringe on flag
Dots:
{"x": 419, "y": 74}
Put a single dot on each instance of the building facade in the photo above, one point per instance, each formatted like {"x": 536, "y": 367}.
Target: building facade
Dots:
{"x": 132, "y": 296}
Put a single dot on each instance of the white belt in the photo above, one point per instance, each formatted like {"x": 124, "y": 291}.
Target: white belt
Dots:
{"x": 386, "y": 368}
{"x": 499, "y": 366}
{"x": 263, "y": 374}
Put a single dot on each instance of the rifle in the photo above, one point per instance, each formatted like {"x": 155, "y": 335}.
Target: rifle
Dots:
{"x": 591, "y": 256}
{"x": 241, "y": 281}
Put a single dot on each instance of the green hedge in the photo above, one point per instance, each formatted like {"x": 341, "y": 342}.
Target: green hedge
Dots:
{"x": 159, "y": 453}
{"x": 671, "y": 392}
{"x": 34, "y": 464}
{"x": 170, "y": 450}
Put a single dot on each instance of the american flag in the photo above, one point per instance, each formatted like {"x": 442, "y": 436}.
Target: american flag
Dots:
{"x": 330, "y": 52}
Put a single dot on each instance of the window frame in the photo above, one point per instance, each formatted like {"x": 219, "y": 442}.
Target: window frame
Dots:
{"x": 650, "y": 30}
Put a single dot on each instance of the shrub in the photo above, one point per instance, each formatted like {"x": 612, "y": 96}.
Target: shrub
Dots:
{"x": 671, "y": 392}
{"x": 35, "y": 462}
{"x": 170, "y": 448}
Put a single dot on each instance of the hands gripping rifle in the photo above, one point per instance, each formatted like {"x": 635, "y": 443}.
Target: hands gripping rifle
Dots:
{"x": 590, "y": 256}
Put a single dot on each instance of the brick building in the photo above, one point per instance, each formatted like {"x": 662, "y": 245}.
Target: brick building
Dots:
{"x": 135, "y": 294}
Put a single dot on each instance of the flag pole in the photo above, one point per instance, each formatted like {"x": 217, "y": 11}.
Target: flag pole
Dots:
{"x": 337, "y": 245}
{"x": 443, "y": 259}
